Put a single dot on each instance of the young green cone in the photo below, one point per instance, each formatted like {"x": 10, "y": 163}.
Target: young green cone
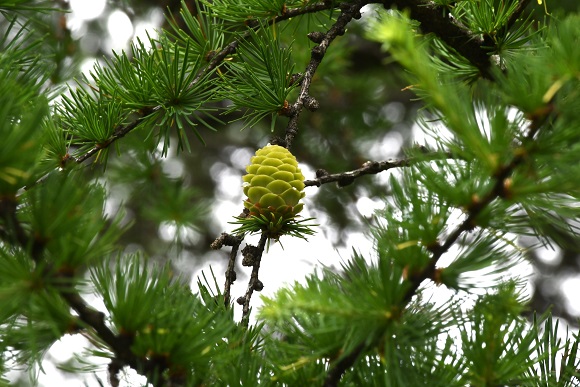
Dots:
{"x": 274, "y": 186}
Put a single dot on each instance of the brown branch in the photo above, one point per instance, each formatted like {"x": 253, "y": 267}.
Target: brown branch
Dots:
{"x": 516, "y": 14}
{"x": 95, "y": 320}
{"x": 254, "y": 256}
{"x": 120, "y": 345}
{"x": 433, "y": 19}
{"x": 348, "y": 12}
{"x": 234, "y": 241}
{"x": 335, "y": 374}
{"x": 370, "y": 168}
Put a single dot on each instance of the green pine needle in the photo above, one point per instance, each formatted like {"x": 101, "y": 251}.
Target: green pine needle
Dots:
{"x": 292, "y": 227}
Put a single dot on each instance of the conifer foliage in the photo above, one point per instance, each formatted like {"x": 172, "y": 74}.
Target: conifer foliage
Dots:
{"x": 500, "y": 106}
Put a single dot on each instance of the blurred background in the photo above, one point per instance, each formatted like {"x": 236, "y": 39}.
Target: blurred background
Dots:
{"x": 185, "y": 200}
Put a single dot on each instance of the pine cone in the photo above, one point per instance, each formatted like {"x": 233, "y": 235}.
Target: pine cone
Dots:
{"x": 274, "y": 186}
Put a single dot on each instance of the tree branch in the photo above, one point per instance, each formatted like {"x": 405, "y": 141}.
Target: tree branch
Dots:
{"x": 348, "y": 12}
{"x": 215, "y": 61}
{"x": 253, "y": 256}
{"x": 500, "y": 189}
{"x": 517, "y": 13}
{"x": 234, "y": 241}
{"x": 433, "y": 19}
{"x": 120, "y": 344}
{"x": 429, "y": 14}
{"x": 370, "y": 168}
{"x": 63, "y": 283}
{"x": 335, "y": 374}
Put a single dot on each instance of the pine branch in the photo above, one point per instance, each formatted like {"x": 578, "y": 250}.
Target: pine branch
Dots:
{"x": 433, "y": 19}
{"x": 215, "y": 61}
{"x": 63, "y": 282}
{"x": 120, "y": 345}
{"x": 369, "y": 168}
{"x": 335, "y": 374}
{"x": 517, "y": 13}
{"x": 348, "y": 12}
{"x": 500, "y": 189}
{"x": 96, "y": 320}
{"x": 119, "y": 133}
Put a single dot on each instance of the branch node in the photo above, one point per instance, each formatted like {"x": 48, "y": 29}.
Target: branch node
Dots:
{"x": 258, "y": 285}
{"x": 321, "y": 173}
{"x": 317, "y": 53}
{"x": 310, "y": 103}
{"x": 231, "y": 276}
{"x": 506, "y": 188}
{"x": 316, "y": 36}
{"x": 250, "y": 254}
{"x": 225, "y": 239}
{"x": 295, "y": 78}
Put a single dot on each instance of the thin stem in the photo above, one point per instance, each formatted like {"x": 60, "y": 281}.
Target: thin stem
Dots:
{"x": 371, "y": 168}
{"x": 254, "y": 283}
{"x": 234, "y": 241}
{"x": 119, "y": 133}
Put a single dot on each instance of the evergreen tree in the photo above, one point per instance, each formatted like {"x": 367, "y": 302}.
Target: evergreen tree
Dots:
{"x": 499, "y": 110}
